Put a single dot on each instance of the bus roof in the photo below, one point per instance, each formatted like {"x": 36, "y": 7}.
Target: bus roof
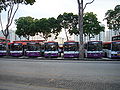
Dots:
{"x": 51, "y": 42}
{"x": 116, "y": 36}
{"x": 94, "y": 41}
{"x": 30, "y": 41}
{"x": 71, "y": 41}
{"x": 2, "y": 38}
{"x": 106, "y": 42}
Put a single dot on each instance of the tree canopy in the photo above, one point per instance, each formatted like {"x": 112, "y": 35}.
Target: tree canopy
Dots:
{"x": 68, "y": 22}
{"x": 91, "y": 25}
{"x": 113, "y": 19}
{"x": 46, "y": 27}
{"x": 25, "y": 27}
{"x": 11, "y": 7}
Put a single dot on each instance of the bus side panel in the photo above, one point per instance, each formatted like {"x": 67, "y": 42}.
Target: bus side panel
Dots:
{"x": 94, "y": 54}
{"x": 33, "y": 53}
{"x": 16, "y": 53}
{"x": 69, "y": 54}
{"x": 51, "y": 54}
{"x": 3, "y": 53}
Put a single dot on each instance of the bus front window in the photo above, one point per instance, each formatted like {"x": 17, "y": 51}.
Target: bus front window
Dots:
{"x": 116, "y": 47}
{"x": 71, "y": 47}
{"x": 16, "y": 47}
{"x": 94, "y": 47}
{"x": 33, "y": 47}
{"x": 51, "y": 47}
{"x": 2, "y": 47}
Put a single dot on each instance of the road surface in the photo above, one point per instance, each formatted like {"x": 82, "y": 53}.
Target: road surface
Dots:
{"x": 30, "y": 74}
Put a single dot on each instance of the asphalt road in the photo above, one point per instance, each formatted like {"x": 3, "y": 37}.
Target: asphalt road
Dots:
{"x": 30, "y": 74}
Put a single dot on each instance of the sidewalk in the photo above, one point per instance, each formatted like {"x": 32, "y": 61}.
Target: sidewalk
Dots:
{"x": 61, "y": 58}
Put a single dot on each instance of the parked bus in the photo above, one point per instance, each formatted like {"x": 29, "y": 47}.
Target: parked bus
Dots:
{"x": 29, "y": 41}
{"x": 17, "y": 49}
{"x": 93, "y": 49}
{"x": 2, "y": 39}
{"x": 33, "y": 49}
{"x": 30, "y": 47}
{"x": 2, "y": 49}
{"x": 111, "y": 49}
{"x": 115, "y": 38}
{"x": 51, "y": 49}
{"x": 71, "y": 49}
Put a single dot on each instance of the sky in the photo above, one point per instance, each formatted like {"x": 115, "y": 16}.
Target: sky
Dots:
{"x": 53, "y": 8}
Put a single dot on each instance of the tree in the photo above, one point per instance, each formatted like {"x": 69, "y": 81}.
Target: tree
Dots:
{"x": 113, "y": 19}
{"x": 43, "y": 27}
{"x": 91, "y": 25}
{"x": 47, "y": 27}
{"x": 54, "y": 26}
{"x": 80, "y": 24}
{"x": 25, "y": 27}
{"x": 69, "y": 22}
{"x": 10, "y": 7}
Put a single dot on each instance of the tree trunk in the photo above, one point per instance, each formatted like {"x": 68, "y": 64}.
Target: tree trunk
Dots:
{"x": 7, "y": 48}
{"x": 66, "y": 35}
{"x": 80, "y": 28}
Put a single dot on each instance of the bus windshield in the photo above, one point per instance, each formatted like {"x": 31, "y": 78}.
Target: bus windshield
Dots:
{"x": 51, "y": 47}
{"x": 2, "y": 47}
{"x": 17, "y": 47}
{"x": 71, "y": 47}
{"x": 94, "y": 46}
{"x": 116, "y": 46}
{"x": 33, "y": 47}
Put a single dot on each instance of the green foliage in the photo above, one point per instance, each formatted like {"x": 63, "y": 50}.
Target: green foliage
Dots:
{"x": 69, "y": 22}
{"x": 54, "y": 26}
{"x": 49, "y": 26}
{"x": 28, "y": 26}
{"x": 6, "y": 3}
{"x": 43, "y": 27}
{"x": 91, "y": 25}
{"x": 25, "y": 27}
{"x": 113, "y": 19}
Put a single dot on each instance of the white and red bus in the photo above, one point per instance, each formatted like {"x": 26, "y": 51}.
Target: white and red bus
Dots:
{"x": 93, "y": 49}
{"x": 112, "y": 49}
{"x": 51, "y": 49}
{"x": 115, "y": 38}
{"x": 2, "y": 39}
{"x": 71, "y": 49}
